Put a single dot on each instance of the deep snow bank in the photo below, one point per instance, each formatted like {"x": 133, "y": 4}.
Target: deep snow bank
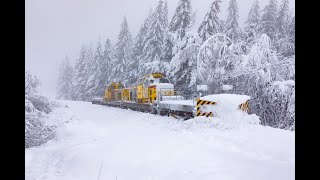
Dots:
{"x": 99, "y": 142}
{"x": 230, "y": 100}
{"x": 226, "y": 114}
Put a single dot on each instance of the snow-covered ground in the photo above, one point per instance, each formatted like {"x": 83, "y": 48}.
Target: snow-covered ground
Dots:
{"x": 96, "y": 142}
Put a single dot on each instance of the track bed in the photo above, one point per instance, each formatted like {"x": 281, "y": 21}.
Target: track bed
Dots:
{"x": 184, "y": 108}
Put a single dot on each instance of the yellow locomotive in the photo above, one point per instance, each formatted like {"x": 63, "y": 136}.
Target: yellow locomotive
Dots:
{"x": 148, "y": 89}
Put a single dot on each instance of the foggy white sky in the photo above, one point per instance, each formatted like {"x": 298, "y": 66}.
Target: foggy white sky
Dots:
{"x": 55, "y": 28}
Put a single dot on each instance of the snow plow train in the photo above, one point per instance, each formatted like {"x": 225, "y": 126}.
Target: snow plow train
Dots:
{"x": 153, "y": 93}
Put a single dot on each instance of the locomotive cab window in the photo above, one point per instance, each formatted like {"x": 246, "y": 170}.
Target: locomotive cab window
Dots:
{"x": 163, "y": 80}
{"x": 146, "y": 82}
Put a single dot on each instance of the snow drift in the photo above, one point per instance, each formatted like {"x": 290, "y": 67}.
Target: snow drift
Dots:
{"x": 99, "y": 142}
{"x": 225, "y": 112}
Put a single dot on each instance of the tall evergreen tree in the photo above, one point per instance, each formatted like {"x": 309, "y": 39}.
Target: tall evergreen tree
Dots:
{"x": 137, "y": 50}
{"x": 91, "y": 68}
{"x": 232, "y": 26}
{"x": 168, "y": 44}
{"x": 166, "y": 55}
{"x": 122, "y": 52}
{"x": 181, "y": 20}
{"x": 210, "y": 24}
{"x": 254, "y": 16}
{"x": 165, "y": 11}
{"x": 292, "y": 28}
{"x": 80, "y": 76}
{"x": 286, "y": 44}
{"x": 222, "y": 27}
{"x": 108, "y": 58}
{"x": 252, "y": 23}
{"x": 268, "y": 20}
{"x": 99, "y": 71}
{"x": 154, "y": 39}
{"x": 283, "y": 20}
{"x": 184, "y": 66}
{"x": 64, "y": 85}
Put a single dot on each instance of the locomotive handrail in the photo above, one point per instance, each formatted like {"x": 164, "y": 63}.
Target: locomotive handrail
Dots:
{"x": 172, "y": 93}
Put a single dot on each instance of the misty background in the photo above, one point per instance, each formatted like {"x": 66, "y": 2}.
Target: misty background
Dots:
{"x": 56, "y": 28}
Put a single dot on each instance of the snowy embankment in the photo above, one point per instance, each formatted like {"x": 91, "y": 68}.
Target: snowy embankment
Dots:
{"x": 99, "y": 142}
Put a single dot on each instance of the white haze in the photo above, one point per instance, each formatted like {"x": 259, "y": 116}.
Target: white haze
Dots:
{"x": 56, "y": 28}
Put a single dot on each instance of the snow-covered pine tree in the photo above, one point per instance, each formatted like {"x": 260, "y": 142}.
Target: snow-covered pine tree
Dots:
{"x": 109, "y": 60}
{"x": 180, "y": 23}
{"x": 168, "y": 44}
{"x": 292, "y": 34}
{"x": 222, "y": 27}
{"x": 292, "y": 29}
{"x": 181, "y": 20}
{"x": 165, "y": 14}
{"x": 80, "y": 77}
{"x": 285, "y": 44}
{"x": 253, "y": 19}
{"x": 211, "y": 23}
{"x": 232, "y": 26}
{"x": 184, "y": 66}
{"x": 251, "y": 24}
{"x": 268, "y": 24}
{"x": 154, "y": 39}
{"x": 122, "y": 52}
{"x": 146, "y": 26}
{"x": 166, "y": 55}
{"x": 209, "y": 54}
{"x": 64, "y": 84}
{"x": 100, "y": 66}
{"x": 283, "y": 20}
{"x": 137, "y": 50}
{"x": 91, "y": 68}
{"x": 285, "y": 69}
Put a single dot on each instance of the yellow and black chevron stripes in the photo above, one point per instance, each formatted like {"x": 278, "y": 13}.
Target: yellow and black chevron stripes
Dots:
{"x": 244, "y": 106}
{"x": 207, "y": 114}
{"x": 203, "y": 102}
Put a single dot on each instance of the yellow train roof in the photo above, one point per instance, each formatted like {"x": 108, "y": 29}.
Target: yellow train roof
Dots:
{"x": 115, "y": 85}
{"x": 156, "y": 74}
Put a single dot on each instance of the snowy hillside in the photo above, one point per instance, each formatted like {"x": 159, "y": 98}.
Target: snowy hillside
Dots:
{"x": 37, "y": 108}
{"x": 99, "y": 142}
